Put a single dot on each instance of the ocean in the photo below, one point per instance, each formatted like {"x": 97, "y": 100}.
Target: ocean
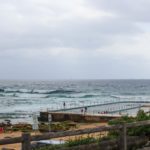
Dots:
{"x": 20, "y": 99}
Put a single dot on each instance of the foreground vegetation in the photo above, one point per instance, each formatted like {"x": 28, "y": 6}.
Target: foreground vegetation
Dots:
{"x": 57, "y": 126}
{"x": 76, "y": 142}
{"x": 138, "y": 131}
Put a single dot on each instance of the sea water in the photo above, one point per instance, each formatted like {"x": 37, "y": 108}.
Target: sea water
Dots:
{"x": 20, "y": 99}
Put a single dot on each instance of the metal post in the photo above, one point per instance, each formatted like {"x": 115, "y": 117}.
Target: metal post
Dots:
{"x": 49, "y": 121}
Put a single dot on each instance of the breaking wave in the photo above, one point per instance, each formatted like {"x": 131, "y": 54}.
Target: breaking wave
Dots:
{"x": 69, "y": 96}
{"x": 61, "y": 91}
{"x": 89, "y": 96}
{"x": 59, "y": 96}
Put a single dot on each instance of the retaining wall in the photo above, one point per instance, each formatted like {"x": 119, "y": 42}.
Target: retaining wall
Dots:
{"x": 61, "y": 116}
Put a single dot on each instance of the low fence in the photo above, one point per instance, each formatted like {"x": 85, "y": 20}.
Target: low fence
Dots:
{"x": 26, "y": 138}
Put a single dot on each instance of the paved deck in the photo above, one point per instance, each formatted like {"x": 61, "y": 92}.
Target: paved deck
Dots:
{"x": 105, "y": 104}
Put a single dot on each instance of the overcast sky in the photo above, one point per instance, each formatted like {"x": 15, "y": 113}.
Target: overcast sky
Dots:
{"x": 74, "y": 39}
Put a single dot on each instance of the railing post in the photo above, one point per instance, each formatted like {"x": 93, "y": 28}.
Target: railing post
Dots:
{"x": 123, "y": 138}
{"x": 26, "y": 145}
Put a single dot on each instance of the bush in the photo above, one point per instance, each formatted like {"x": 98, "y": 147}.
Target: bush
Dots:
{"x": 81, "y": 141}
{"x": 142, "y": 130}
{"x": 58, "y": 126}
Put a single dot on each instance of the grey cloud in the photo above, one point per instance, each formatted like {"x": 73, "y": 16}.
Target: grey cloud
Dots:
{"x": 138, "y": 10}
{"x": 38, "y": 25}
{"x": 80, "y": 34}
{"x": 30, "y": 26}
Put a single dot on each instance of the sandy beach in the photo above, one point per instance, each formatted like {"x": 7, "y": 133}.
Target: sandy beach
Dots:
{"x": 18, "y": 134}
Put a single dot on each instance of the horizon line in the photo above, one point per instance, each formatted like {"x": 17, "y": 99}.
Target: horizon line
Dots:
{"x": 80, "y": 79}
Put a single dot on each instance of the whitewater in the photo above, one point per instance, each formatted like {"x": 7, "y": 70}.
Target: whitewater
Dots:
{"x": 20, "y": 99}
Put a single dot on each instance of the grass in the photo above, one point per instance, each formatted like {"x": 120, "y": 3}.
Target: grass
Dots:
{"x": 58, "y": 126}
{"x": 81, "y": 141}
{"x": 70, "y": 143}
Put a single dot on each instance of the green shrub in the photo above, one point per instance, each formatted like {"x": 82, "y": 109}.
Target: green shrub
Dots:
{"x": 81, "y": 141}
{"x": 15, "y": 129}
{"x": 58, "y": 126}
{"x": 137, "y": 131}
